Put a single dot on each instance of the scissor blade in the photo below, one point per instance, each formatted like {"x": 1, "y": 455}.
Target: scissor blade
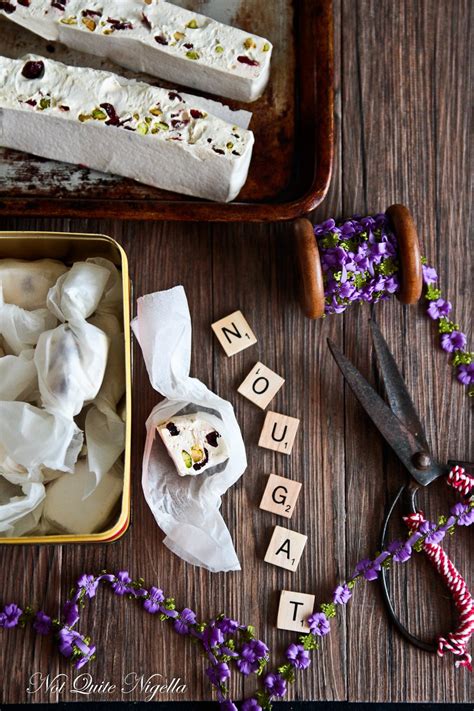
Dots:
{"x": 403, "y": 443}
{"x": 397, "y": 393}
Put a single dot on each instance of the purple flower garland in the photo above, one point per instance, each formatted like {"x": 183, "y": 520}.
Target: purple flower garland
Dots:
{"x": 359, "y": 259}
{"x": 225, "y": 642}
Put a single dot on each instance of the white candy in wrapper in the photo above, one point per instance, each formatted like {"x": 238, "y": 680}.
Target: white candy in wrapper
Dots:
{"x": 193, "y": 444}
{"x": 18, "y": 377}
{"x": 185, "y": 507}
{"x": 26, "y": 283}
{"x": 65, "y": 509}
{"x": 20, "y": 507}
{"x": 20, "y": 329}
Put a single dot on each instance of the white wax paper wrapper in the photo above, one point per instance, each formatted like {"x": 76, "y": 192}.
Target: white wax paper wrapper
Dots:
{"x": 70, "y": 361}
{"x": 18, "y": 377}
{"x": 104, "y": 428}
{"x": 186, "y": 508}
{"x": 77, "y": 293}
{"x": 20, "y": 507}
{"x": 26, "y": 283}
{"x": 31, "y": 438}
{"x": 20, "y": 329}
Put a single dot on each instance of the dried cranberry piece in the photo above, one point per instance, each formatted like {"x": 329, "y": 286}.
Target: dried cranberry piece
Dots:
{"x": 179, "y": 124}
{"x": 200, "y": 465}
{"x": 173, "y": 95}
{"x": 120, "y": 24}
{"x": 161, "y": 39}
{"x": 91, "y": 13}
{"x": 209, "y": 140}
{"x": 212, "y": 438}
{"x": 111, "y": 113}
{"x": 218, "y": 150}
{"x": 31, "y": 102}
{"x": 236, "y": 153}
{"x": 64, "y": 108}
{"x": 188, "y": 45}
{"x": 146, "y": 21}
{"x": 7, "y": 7}
{"x": 196, "y": 114}
{"x": 246, "y": 60}
{"x": 172, "y": 429}
{"x": 25, "y": 3}
{"x": 59, "y": 4}
{"x": 33, "y": 70}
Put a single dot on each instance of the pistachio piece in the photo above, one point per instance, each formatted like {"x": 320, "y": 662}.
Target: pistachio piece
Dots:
{"x": 108, "y": 31}
{"x": 192, "y": 25}
{"x": 218, "y": 49}
{"x": 249, "y": 43}
{"x": 68, "y": 20}
{"x": 266, "y": 47}
{"x": 89, "y": 23}
{"x": 45, "y": 103}
{"x": 187, "y": 459}
{"x": 196, "y": 453}
{"x": 192, "y": 54}
{"x": 229, "y": 145}
{"x": 84, "y": 117}
{"x": 142, "y": 128}
{"x": 155, "y": 111}
{"x": 179, "y": 36}
{"x": 99, "y": 115}
{"x": 136, "y": 116}
{"x": 148, "y": 119}
{"x": 162, "y": 125}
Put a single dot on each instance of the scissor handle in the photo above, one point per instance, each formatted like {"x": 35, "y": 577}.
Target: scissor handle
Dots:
{"x": 407, "y": 495}
{"x": 456, "y": 641}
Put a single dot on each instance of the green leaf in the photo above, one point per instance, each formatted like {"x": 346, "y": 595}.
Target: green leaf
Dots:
{"x": 447, "y": 326}
{"x": 262, "y": 663}
{"x": 432, "y": 293}
{"x": 309, "y": 641}
{"x": 287, "y": 672}
{"x": 329, "y": 609}
{"x": 462, "y": 358}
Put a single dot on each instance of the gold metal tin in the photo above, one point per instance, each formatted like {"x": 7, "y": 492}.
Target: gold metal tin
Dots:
{"x": 69, "y": 247}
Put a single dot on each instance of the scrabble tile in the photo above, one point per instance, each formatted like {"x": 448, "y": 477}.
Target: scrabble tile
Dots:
{"x": 278, "y": 432}
{"x": 286, "y": 548}
{"x": 234, "y": 333}
{"x": 293, "y": 611}
{"x": 261, "y": 385}
{"x": 280, "y": 495}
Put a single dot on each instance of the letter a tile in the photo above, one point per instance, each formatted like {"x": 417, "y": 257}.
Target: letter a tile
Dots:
{"x": 286, "y": 548}
{"x": 279, "y": 432}
{"x": 261, "y": 385}
{"x": 294, "y": 610}
{"x": 234, "y": 333}
{"x": 280, "y": 495}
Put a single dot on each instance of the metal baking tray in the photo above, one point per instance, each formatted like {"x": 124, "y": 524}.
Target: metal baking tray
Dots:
{"x": 293, "y": 125}
{"x": 69, "y": 248}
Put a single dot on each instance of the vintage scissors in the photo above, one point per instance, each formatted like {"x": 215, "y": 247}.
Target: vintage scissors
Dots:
{"x": 400, "y": 425}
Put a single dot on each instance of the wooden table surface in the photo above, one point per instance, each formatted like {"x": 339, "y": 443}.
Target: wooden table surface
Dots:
{"x": 402, "y": 117}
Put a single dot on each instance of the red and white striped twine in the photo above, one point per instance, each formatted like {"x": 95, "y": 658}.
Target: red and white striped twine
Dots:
{"x": 457, "y": 641}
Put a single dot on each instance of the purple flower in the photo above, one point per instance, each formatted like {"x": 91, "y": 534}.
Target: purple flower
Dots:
{"x": 401, "y": 551}
{"x": 10, "y": 616}
{"x": 432, "y": 533}
{"x": 259, "y": 648}
{"x": 324, "y": 227}
{"x": 465, "y": 513}
{"x": 454, "y": 341}
{"x": 42, "y": 623}
{"x": 121, "y": 587}
{"x": 368, "y": 568}
{"x": 430, "y": 275}
{"x": 186, "y": 618}
{"x": 439, "y": 309}
{"x": 392, "y": 284}
{"x": 466, "y": 373}
{"x": 89, "y": 584}
{"x": 248, "y": 662}
{"x": 218, "y": 673}
{"x": 86, "y": 656}
{"x": 227, "y": 625}
{"x": 227, "y": 705}
{"x": 319, "y": 624}
{"x": 342, "y": 594}
{"x": 275, "y": 684}
{"x": 298, "y": 656}
{"x": 70, "y": 613}
{"x": 251, "y": 705}
{"x": 66, "y": 640}
{"x": 212, "y": 637}
{"x": 152, "y": 604}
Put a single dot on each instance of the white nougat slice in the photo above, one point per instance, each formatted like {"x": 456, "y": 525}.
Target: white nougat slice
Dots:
{"x": 193, "y": 443}
{"x": 112, "y": 124}
{"x": 155, "y": 37}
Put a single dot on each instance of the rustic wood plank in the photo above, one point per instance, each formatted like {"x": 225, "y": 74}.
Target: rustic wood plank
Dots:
{"x": 405, "y": 69}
